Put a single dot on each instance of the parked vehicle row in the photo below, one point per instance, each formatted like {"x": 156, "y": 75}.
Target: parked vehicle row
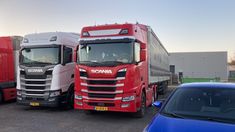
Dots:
{"x": 119, "y": 67}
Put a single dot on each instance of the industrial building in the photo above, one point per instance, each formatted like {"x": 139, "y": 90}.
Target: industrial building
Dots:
{"x": 231, "y": 69}
{"x": 199, "y": 64}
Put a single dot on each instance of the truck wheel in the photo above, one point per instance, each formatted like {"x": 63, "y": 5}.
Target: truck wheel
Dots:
{"x": 70, "y": 99}
{"x": 163, "y": 88}
{"x": 1, "y": 97}
{"x": 154, "y": 97}
{"x": 141, "y": 112}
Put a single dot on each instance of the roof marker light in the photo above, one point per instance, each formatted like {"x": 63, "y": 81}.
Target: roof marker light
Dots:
{"x": 54, "y": 38}
{"x": 85, "y": 34}
{"x": 124, "y": 31}
{"x": 26, "y": 40}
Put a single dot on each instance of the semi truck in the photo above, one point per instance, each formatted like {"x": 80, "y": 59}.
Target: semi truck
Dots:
{"x": 9, "y": 50}
{"x": 120, "y": 67}
{"x": 46, "y": 69}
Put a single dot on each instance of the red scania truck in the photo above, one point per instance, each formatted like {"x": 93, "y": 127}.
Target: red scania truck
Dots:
{"x": 121, "y": 67}
{"x": 9, "y": 47}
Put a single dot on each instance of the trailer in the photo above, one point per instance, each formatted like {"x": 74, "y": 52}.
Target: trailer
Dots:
{"x": 9, "y": 50}
{"x": 120, "y": 67}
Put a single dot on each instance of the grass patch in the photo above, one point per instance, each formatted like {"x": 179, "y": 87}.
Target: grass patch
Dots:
{"x": 190, "y": 80}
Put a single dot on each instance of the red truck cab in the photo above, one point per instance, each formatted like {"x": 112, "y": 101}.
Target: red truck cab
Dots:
{"x": 112, "y": 73}
{"x": 8, "y": 51}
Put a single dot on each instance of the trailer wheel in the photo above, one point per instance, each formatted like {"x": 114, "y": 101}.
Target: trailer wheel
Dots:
{"x": 141, "y": 112}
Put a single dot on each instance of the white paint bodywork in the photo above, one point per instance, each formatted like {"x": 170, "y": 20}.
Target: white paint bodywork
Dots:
{"x": 62, "y": 74}
{"x": 62, "y": 77}
{"x": 42, "y": 39}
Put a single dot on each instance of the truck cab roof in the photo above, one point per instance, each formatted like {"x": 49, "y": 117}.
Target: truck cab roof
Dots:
{"x": 50, "y": 38}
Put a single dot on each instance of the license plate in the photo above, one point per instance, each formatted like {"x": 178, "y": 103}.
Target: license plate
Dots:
{"x": 98, "y": 108}
{"x": 34, "y": 103}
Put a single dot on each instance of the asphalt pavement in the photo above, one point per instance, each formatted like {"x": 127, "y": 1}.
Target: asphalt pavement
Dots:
{"x": 15, "y": 118}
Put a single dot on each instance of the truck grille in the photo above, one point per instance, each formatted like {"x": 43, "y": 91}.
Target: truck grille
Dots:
{"x": 34, "y": 92}
{"x": 35, "y": 87}
{"x": 101, "y": 104}
{"x": 102, "y": 88}
{"x": 94, "y": 95}
{"x": 35, "y": 82}
{"x": 38, "y": 85}
{"x": 106, "y": 82}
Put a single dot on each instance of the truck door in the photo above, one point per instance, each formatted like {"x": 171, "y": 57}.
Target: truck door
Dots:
{"x": 67, "y": 71}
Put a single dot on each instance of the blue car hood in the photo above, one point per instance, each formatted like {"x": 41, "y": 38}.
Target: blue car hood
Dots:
{"x": 162, "y": 123}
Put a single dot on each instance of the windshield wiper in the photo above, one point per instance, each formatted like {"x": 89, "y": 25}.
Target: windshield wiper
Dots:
{"x": 119, "y": 62}
{"x": 172, "y": 114}
{"x": 222, "y": 120}
{"x": 36, "y": 63}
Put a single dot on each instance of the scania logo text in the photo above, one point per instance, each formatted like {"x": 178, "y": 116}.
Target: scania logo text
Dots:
{"x": 35, "y": 70}
{"x": 102, "y": 71}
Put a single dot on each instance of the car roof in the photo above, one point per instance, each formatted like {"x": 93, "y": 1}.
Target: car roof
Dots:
{"x": 208, "y": 85}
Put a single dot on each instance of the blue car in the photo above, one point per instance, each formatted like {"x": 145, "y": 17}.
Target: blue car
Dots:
{"x": 196, "y": 107}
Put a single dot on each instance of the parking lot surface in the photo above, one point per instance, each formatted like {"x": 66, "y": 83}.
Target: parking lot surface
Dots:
{"x": 15, "y": 118}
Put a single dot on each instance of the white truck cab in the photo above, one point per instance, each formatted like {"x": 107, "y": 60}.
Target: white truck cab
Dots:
{"x": 46, "y": 69}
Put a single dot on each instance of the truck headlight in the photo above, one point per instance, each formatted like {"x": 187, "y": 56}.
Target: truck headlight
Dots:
{"x": 54, "y": 93}
{"x": 78, "y": 97}
{"x": 128, "y": 98}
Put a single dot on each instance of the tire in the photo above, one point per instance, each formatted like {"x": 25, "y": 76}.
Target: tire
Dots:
{"x": 164, "y": 86}
{"x": 154, "y": 97}
{"x": 70, "y": 99}
{"x": 141, "y": 112}
{"x": 1, "y": 97}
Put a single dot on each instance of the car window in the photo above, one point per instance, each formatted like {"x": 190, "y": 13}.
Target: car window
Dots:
{"x": 200, "y": 102}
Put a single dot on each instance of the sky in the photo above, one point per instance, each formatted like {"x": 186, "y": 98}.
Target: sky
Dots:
{"x": 181, "y": 25}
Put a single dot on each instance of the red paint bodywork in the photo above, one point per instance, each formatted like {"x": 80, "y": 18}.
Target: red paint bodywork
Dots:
{"x": 136, "y": 78}
{"x": 7, "y": 72}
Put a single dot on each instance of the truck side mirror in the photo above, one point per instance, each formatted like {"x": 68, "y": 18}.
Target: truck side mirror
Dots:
{"x": 157, "y": 104}
{"x": 142, "y": 55}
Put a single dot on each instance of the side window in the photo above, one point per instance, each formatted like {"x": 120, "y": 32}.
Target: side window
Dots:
{"x": 68, "y": 55}
{"x": 137, "y": 52}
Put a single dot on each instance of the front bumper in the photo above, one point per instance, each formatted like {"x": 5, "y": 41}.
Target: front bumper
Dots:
{"x": 35, "y": 101}
{"x": 117, "y": 105}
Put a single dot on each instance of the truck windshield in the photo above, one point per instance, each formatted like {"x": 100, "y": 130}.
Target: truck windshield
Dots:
{"x": 42, "y": 55}
{"x": 108, "y": 53}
